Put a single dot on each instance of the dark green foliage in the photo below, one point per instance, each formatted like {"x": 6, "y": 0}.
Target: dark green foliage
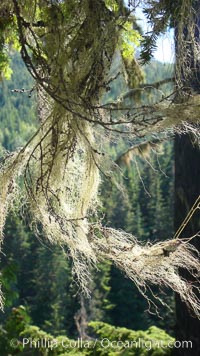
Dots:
{"x": 17, "y": 321}
{"x": 150, "y": 337}
{"x": 146, "y": 211}
{"x": 53, "y": 304}
{"x": 8, "y": 280}
{"x": 42, "y": 279}
{"x": 100, "y": 304}
{"x": 22, "y": 338}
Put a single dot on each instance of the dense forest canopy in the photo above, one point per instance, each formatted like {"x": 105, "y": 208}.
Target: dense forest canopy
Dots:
{"x": 69, "y": 48}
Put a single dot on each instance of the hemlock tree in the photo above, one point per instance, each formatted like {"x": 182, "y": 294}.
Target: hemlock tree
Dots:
{"x": 69, "y": 48}
{"x": 187, "y": 186}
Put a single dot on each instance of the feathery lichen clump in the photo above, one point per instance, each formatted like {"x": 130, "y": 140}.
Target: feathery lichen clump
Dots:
{"x": 57, "y": 174}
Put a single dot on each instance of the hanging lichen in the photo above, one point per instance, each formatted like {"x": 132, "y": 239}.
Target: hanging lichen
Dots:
{"x": 69, "y": 47}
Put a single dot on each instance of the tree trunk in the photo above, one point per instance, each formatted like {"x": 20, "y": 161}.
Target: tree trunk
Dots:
{"x": 187, "y": 172}
{"x": 187, "y": 189}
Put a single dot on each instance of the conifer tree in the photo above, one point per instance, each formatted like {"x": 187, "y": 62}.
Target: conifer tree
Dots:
{"x": 69, "y": 47}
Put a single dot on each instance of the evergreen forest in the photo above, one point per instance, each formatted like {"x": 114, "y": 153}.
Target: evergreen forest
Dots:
{"x": 99, "y": 178}
{"x": 41, "y": 298}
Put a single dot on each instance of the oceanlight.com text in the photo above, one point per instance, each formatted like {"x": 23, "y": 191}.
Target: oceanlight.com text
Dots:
{"x": 105, "y": 343}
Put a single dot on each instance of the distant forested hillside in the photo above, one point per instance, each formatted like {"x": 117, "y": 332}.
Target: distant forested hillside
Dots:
{"x": 18, "y": 117}
{"x": 153, "y": 72}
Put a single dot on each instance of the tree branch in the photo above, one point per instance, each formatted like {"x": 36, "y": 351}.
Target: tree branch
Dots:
{"x": 143, "y": 87}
